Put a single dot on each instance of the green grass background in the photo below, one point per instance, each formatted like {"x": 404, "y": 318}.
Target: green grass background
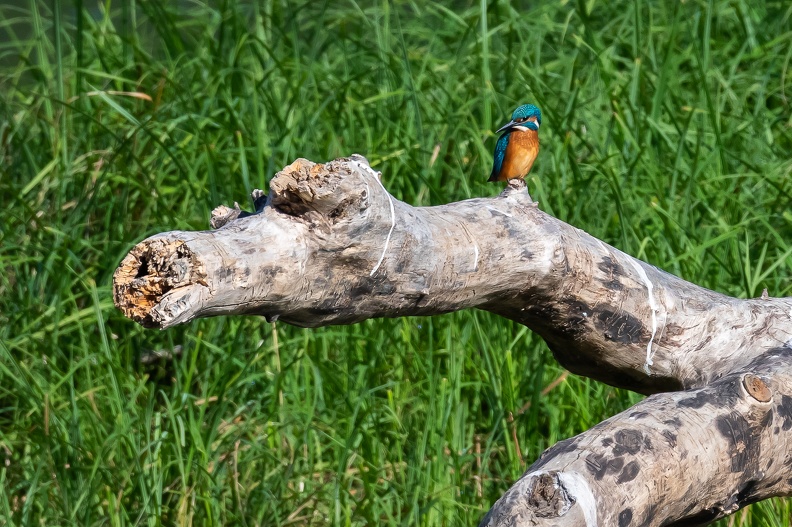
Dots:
{"x": 666, "y": 133}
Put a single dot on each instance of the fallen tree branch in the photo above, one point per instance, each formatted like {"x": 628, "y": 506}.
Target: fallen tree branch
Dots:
{"x": 681, "y": 458}
{"x": 331, "y": 246}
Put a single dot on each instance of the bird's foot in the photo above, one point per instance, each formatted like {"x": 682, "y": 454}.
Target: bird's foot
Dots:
{"x": 519, "y": 186}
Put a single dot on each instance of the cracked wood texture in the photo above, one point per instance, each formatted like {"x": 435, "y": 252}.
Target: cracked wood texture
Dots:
{"x": 681, "y": 458}
{"x": 329, "y": 245}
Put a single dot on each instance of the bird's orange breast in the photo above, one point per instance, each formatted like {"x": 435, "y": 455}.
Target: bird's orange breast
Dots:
{"x": 520, "y": 154}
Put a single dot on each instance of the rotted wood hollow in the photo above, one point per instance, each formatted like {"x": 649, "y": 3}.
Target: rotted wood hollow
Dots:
{"x": 329, "y": 245}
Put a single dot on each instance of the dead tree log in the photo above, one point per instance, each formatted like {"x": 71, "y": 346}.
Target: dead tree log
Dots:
{"x": 331, "y": 246}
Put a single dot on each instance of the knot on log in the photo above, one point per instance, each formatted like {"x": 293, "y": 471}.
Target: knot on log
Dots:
{"x": 542, "y": 498}
{"x": 548, "y": 497}
{"x": 150, "y": 271}
{"x": 323, "y": 192}
{"x": 757, "y": 388}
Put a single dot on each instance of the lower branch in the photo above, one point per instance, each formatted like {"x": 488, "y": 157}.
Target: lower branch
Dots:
{"x": 684, "y": 458}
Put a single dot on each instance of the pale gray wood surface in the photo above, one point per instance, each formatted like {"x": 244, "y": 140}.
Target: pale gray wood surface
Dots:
{"x": 331, "y": 246}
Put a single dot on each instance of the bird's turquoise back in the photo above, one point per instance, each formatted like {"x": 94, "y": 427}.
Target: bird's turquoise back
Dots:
{"x": 500, "y": 155}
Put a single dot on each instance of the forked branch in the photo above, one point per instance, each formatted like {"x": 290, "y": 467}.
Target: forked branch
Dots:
{"x": 331, "y": 246}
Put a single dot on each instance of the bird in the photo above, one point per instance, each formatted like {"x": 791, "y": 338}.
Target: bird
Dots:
{"x": 517, "y": 148}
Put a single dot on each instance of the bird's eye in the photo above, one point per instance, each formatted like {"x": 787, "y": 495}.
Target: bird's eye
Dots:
{"x": 520, "y": 119}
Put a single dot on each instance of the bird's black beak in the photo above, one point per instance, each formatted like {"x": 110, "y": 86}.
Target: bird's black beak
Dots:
{"x": 506, "y": 126}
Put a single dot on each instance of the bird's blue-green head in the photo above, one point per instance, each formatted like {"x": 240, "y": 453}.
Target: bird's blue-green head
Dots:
{"x": 524, "y": 117}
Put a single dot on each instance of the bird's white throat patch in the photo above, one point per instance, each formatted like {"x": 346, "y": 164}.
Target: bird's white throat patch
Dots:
{"x": 525, "y": 128}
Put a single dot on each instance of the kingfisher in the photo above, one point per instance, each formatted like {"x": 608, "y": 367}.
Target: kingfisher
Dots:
{"x": 517, "y": 148}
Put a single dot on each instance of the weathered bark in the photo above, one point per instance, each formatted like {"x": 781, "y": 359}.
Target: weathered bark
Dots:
{"x": 680, "y": 458}
{"x": 331, "y": 246}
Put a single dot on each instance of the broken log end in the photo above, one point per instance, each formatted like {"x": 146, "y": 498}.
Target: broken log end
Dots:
{"x": 155, "y": 271}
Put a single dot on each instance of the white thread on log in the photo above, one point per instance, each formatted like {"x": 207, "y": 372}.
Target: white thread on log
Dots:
{"x": 393, "y": 224}
{"x": 652, "y": 307}
{"x": 475, "y": 247}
